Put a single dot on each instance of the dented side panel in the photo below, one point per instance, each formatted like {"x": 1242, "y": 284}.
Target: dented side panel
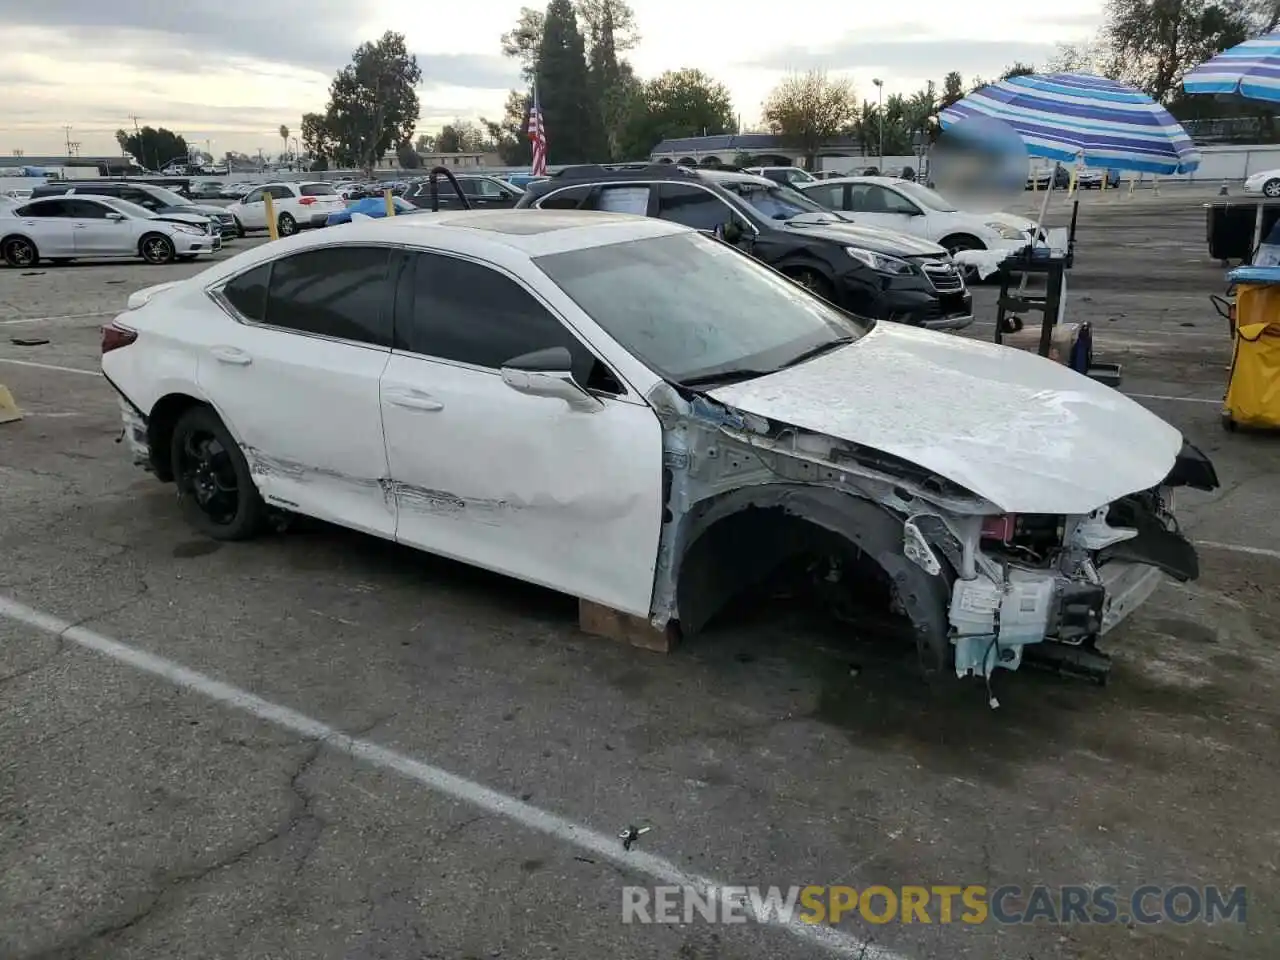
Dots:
{"x": 524, "y": 485}
{"x": 306, "y": 412}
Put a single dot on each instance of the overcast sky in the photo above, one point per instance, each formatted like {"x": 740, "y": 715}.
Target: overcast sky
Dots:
{"x": 232, "y": 71}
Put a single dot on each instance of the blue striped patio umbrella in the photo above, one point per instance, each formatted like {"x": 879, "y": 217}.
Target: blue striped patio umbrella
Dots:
{"x": 1250, "y": 70}
{"x": 1074, "y": 117}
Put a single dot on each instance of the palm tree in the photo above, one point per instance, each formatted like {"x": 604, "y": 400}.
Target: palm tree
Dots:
{"x": 284, "y": 135}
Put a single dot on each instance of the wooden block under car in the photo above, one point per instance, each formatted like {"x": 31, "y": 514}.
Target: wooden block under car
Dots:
{"x": 602, "y": 621}
{"x": 1028, "y": 338}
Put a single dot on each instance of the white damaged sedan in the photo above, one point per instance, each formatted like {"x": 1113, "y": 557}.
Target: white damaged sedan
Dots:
{"x": 638, "y": 415}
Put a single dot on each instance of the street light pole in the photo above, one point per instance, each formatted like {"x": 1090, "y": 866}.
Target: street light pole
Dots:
{"x": 880, "y": 113}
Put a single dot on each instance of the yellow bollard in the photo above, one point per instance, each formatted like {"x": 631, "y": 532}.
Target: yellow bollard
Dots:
{"x": 1132, "y": 184}
{"x": 1155, "y": 185}
{"x": 273, "y": 228}
{"x": 9, "y": 411}
{"x": 391, "y": 204}
{"x": 1075, "y": 182}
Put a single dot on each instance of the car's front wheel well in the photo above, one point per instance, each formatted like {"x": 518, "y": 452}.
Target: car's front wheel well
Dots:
{"x": 961, "y": 241}
{"x": 840, "y": 550}
{"x": 164, "y": 417}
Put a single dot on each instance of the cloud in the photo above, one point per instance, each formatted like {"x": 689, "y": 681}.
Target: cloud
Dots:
{"x": 910, "y": 51}
{"x": 307, "y": 35}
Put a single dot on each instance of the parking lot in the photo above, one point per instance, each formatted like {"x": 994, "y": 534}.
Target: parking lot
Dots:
{"x": 320, "y": 745}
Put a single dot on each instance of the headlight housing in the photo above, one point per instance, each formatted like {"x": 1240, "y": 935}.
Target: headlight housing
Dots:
{"x": 880, "y": 262}
{"x": 188, "y": 229}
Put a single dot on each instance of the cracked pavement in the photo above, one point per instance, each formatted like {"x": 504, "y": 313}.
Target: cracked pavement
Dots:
{"x": 138, "y": 820}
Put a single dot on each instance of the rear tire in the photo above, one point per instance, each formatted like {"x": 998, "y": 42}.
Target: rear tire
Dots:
{"x": 286, "y": 225}
{"x": 961, "y": 242}
{"x": 20, "y": 252}
{"x": 215, "y": 486}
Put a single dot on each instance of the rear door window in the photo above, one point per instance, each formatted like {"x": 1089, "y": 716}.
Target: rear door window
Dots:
{"x": 569, "y": 199}
{"x": 622, "y": 199}
{"x": 339, "y": 292}
{"x": 247, "y": 293}
{"x": 47, "y": 208}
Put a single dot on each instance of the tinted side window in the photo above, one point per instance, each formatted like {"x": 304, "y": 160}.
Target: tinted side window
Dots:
{"x": 897, "y": 203}
{"x": 140, "y": 197}
{"x": 471, "y": 313}
{"x": 105, "y": 190}
{"x": 338, "y": 292}
{"x": 248, "y": 292}
{"x": 47, "y": 208}
{"x": 317, "y": 190}
{"x": 829, "y": 196}
{"x": 564, "y": 199}
{"x": 280, "y": 193}
{"x": 87, "y": 210}
{"x": 623, "y": 199}
{"x": 692, "y": 206}
{"x": 253, "y": 196}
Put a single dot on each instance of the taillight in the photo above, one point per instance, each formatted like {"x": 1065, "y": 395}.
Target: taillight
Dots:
{"x": 115, "y": 336}
{"x": 306, "y": 201}
{"x": 999, "y": 528}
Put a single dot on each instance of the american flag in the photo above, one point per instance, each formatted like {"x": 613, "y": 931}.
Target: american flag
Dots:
{"x": 538, "y": 137}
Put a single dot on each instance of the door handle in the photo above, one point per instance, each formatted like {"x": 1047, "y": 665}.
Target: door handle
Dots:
{"x": 413, "y": 400}
{"x": 231, "y": 355}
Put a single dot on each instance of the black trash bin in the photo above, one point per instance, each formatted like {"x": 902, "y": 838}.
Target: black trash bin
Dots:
{"x": 1229, "y": 226}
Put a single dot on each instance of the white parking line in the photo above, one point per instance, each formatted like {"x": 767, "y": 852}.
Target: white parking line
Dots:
{"x": 63, "y": 316}
{"x": 1239, "y": 548}
{"x": 1160, "y": 396}
{"x": 433, "y": 778}
{"x": 51, "y": 366}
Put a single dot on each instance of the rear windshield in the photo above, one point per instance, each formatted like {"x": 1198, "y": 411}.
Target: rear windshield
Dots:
{"x": 318, "y": 190}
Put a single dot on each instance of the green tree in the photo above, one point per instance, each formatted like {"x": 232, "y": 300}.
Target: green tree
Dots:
{"x": 510, "y": 134}
{"x": 574, "y": 129}
{"x": 284, "y": 136}
{"x": 1152, "y": 43}
{"x": 461, "y": 136}
{"x": 153, "y": 147}
{"x": 678, "y": 103}
{"x": 523, "y": 42}
{"x": 1018, "y": 69}
{"x": 408, "y": 157}
{"x": 316, "y": 137}
{"x": 373, "y": 101}
{"x": 952, "y": 89}
{"x": 425, "y": 143}
{"x": 609, "y": 28}
{"x": 808, "y": 108}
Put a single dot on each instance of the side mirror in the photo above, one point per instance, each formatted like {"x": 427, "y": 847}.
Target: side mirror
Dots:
{"x": 729, "y": 232}
{"x": 115, "y": 216}
{"x": 548, "y": 373}
{"x": 504, "y": 194}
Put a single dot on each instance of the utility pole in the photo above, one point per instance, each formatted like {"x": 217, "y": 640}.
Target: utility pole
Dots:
{"x": 67, "y": 131}
{"x": 880, "y": 114}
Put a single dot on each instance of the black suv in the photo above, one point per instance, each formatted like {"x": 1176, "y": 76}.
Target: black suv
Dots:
{"x": 154, "y": 198}
{"x": 486, "y": 193}
{"x": 867, "y": 271}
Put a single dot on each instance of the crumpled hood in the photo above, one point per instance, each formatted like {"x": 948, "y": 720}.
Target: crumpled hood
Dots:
{"x": 869, "y": 238}
{"x": 1009, "y": 219}
{"x": 1024, "y": 432}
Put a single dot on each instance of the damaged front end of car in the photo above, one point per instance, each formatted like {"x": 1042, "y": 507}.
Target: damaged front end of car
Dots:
{"x": 979, "y": 586}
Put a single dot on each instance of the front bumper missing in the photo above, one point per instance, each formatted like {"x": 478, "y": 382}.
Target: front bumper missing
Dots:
{"x": 993, "y": 622}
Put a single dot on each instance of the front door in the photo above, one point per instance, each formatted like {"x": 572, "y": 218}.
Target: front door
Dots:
{"x": 97, "y": 236}
{"x": 523, "y": 485}
{"x": 297, "y": 381}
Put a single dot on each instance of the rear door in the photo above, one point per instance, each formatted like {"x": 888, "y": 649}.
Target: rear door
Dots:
{"x": 296, "y": 380}
{"x": 693, "y": 207}
{"x": 49, "y": 225}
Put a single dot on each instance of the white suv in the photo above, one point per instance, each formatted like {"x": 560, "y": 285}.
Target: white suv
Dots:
{"x": 297, "y": 206}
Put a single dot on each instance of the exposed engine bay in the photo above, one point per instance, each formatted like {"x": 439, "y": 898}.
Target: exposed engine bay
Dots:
{"x": 982, "y": 588}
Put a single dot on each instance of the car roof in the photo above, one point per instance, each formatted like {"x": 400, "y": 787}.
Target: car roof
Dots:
{"x": 734, "y": 176}
{"x": 882, "y": 181}
{"x": 504, "y": 237}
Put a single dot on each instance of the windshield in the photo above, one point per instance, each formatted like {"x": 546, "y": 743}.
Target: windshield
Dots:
{"x": 693, "y": 308}
{"x": 775, "y": 201}
{"x": 168, "y": 197}
{"x": 317, "y": 190}
{"x": 128, "y": 207}
{"x": 926, "y": 197}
